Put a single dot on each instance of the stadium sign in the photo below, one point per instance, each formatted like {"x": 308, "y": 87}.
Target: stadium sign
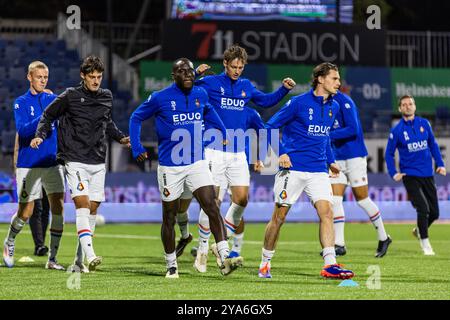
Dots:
{"x": 276, "y": 42}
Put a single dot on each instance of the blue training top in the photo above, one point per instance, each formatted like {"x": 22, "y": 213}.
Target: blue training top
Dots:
{"x": 416, "y": 145}
{"x": 27, "y": 113}
{"x": 306, "y": 120}
{"x": 231, "y": 97}
{"x": 347, "y": 139}
{"x": 179, "y": 121}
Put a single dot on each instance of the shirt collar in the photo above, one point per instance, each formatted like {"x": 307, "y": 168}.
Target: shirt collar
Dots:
{"x": 319, "y": 99}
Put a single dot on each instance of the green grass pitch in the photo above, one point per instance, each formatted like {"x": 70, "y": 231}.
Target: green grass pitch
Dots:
{"x": 134, "y": 267}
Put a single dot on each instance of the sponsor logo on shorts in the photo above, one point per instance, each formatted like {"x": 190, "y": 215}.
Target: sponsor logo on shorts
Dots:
{"x": 166, "y": 192}
{"x": 80, "y": 187}
{"x": 283, "y": 195}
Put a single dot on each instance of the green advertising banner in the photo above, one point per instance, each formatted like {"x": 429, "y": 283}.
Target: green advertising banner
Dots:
{"x": 429, "y": 87}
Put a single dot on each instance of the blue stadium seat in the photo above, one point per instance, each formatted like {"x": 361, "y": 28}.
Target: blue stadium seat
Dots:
{"x": 13, "y": 52}
{"x": 8, "y": 139}
{"x": 60, "y": 45}
{"x": 21, "y": 44}
{"x": 17, "y": 73}
{"x": 74, "y": 74}
{"x": 4, "y": 93}
{"x": 72, "y": 55}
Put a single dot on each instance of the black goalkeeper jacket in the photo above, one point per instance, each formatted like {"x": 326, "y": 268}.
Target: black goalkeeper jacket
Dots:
{"x": 84, "y": 124}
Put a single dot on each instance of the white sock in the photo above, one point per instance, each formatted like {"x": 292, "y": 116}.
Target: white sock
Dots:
{"x": 204, "y": 232}
{"x": 425, "y": 243}
{"x": 80, "y": 254}
{"x": 233, "y": 218}
{"x": 375, "y": 216}
{"x": 339, "y": 220}
{"x": 56, "y": 231}
{"x": 238, "y": 240}
{"x": 15, "y": 227}
{"x": 223, "y": 249}
{"x": 329, "y": 256}
{"x": 266, "y": 256}
{"x": 84, "y": 232}
{"x": 92, "y": 222}
{"x": 171, "y": 260}
{"x": 183, "y": 219}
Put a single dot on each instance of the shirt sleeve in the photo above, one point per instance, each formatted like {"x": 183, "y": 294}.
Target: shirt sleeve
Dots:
{"x": 349, "y": 128}
{"x": 53, "y": 111}
{"x": 145, "y": 111}
{"x": 284, "y": 116}
{"x": 24, "y": 128}
{"x": 210, "y": 115}
{"x": 329, "y": 152}
{"x": 267, "y": 100}
{"x": 434, "y": 147}
{"x": 389, "y": 155}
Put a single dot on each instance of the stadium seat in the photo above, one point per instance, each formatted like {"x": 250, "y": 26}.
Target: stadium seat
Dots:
{"x": 17, "y": 73}
{"x": 13, "y": 52}
{"x": 8, "y": 139}
{"x": 21, "y": 44}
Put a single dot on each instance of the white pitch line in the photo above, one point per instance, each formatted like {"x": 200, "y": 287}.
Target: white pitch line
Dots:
{"x": 137, "y": 237}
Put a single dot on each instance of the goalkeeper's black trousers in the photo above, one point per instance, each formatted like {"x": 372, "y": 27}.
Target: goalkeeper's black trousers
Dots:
{"x": 39, "y": 220}
{"x": 423, "y": 196}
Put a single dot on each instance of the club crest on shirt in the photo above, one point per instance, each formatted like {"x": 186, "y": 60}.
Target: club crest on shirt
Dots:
{"x": 283, "y": 195}
{"x": 311, "y": 112}
{"x": 330, "y": 113}
{"x": 166, "y": 192}
{"x": 80, "y": 186}
{"x": 222, "y": 91}
{"x": 197, "y": 103}
{"x": 82, "y": 100}
{"x": 243, "y": 94}
{"x": 173, "y": 104}
{"x": 422, "y": 129}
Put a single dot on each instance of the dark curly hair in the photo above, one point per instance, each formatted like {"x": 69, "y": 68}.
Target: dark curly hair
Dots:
{"x": 92, "y": 63}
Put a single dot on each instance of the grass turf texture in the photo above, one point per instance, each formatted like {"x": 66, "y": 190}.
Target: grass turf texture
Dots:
{"x": 134, "y": 267}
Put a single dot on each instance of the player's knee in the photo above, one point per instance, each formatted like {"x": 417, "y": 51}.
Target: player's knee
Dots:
{"x": 241, "y": 201}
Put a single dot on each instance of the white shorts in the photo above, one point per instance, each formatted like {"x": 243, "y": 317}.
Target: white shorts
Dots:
{"x": 228, "y": 168}
{"x": 31, "y": 180}
{"x": 86, "y": 180}
{"x": 353, "y": 172}
{"x": 173, "y": 181}
{"x": 289, "y": 185}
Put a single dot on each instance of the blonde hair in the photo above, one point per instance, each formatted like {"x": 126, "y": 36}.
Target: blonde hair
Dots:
{"x": 36, "y": 65}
